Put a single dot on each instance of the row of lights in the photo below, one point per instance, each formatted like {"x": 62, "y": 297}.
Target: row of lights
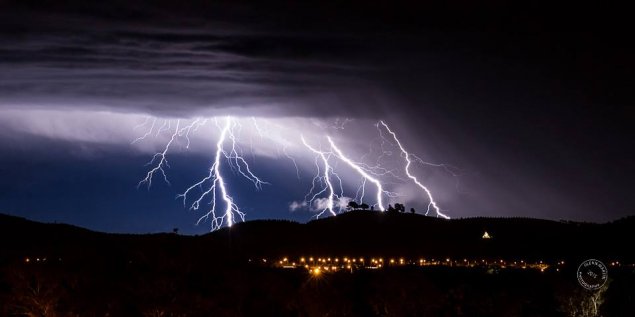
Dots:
{"x": 379, "y": 262}
{"x": 29, "y": 260}
{"x": 347, "y": 262}
{"x": 401, "y": 261}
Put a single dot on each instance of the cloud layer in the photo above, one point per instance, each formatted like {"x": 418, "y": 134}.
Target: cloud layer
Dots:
{"x": 536, "y": 116}
{"x": 65, "y": 61}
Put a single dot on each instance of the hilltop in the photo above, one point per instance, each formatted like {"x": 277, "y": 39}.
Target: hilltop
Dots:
{"x": 356, "y": 232}
{"x": 78, "y": 272}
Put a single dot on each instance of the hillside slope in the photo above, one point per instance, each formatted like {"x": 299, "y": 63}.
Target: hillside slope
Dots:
{"x": 357, "y": 232}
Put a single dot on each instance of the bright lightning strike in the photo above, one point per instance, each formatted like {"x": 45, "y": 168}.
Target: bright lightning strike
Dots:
{"x": 161, "y": 157}
{"x": 326, "y": 194}
{"x": 214, "y": 179}
{"x": 364, "y": 173}
{"x": 431, "y": 203}
{"x": 217, "y": 182}
{"x": 325, "y": 178}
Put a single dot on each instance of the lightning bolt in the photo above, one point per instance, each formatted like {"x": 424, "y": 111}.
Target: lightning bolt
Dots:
{"x": 292, "y": 159}
{"x": 217, "y": 182}
{"x": 431, "y": 203}
{"x": 363, "y": 172}
{"x": 214, "y": 179}
{"x": 324, "y": 178}
{"x": 161, "y": 157}
{"x": 154, "y": 121}
{"x": 327, "y": 189}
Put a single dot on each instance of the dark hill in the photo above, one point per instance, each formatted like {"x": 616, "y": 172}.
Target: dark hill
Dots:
{"x": 382, "y": 234}
{"x": 353, "y": 233}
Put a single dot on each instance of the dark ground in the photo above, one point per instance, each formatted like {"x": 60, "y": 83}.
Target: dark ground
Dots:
{"x": 95, "y": 274}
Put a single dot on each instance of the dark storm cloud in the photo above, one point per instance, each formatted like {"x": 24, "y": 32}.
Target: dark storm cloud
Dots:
{"x": 533, "y": 103}
{"x": 311, "y": 59}
{"x": 149, "y": 66}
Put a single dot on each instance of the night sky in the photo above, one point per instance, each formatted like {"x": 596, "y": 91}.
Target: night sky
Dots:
{"x": 532, "y": 107}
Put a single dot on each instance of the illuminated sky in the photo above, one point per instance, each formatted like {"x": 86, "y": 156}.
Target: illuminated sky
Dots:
{"x": 533, "y": 109}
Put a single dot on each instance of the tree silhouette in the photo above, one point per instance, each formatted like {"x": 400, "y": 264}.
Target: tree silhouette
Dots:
{"x": 36, "y": 292}
{"x": 412, "y": 210}
{"x": 363, "y": 206}
{"x": 352, "y": 205}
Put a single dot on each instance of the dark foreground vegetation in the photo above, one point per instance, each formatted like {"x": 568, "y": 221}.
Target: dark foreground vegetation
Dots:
{"x": 60, "y": 270}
